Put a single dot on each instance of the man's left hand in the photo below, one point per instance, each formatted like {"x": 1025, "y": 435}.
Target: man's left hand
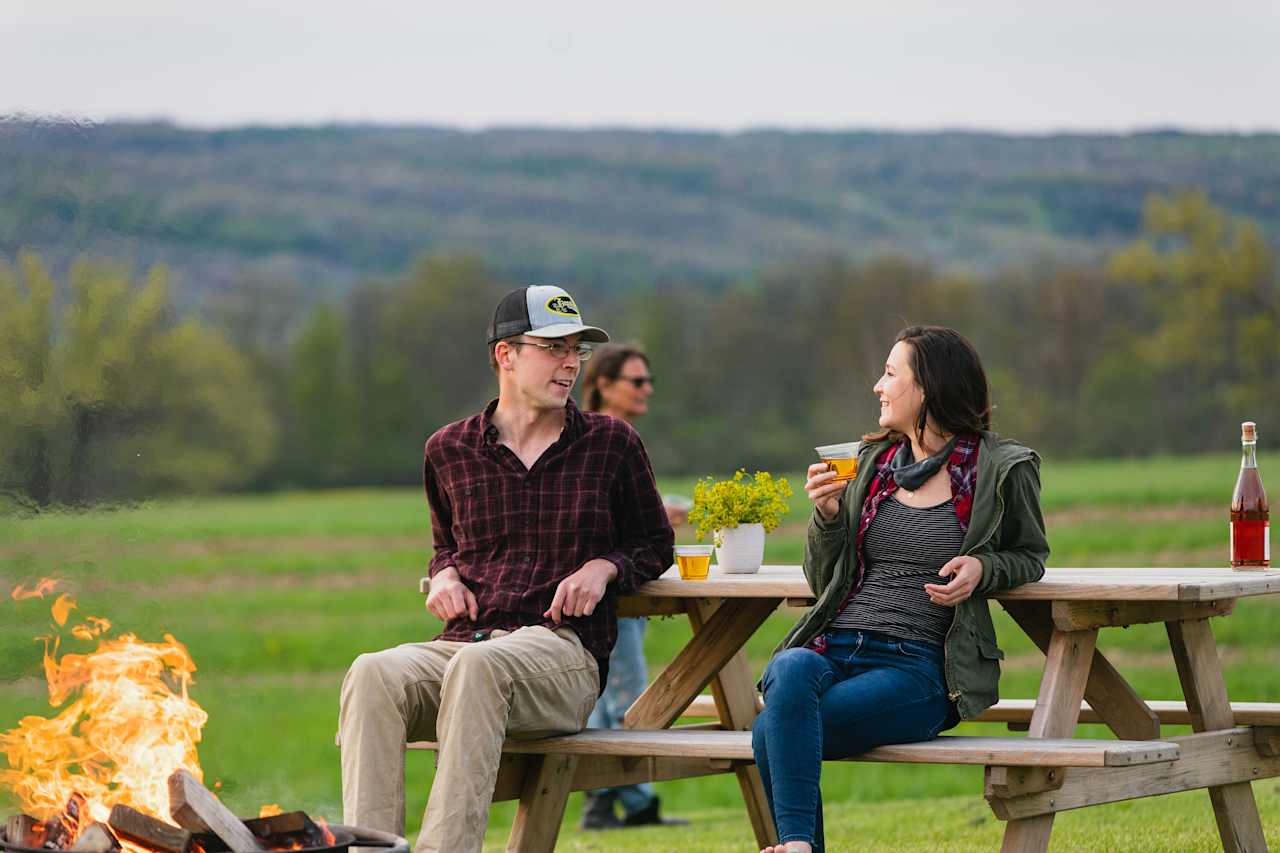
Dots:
{"x": 578, "y": 594}
{"x": 965, "y": 574}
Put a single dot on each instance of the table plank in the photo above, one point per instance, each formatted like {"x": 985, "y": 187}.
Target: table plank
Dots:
{"x": 1058, "y": 584}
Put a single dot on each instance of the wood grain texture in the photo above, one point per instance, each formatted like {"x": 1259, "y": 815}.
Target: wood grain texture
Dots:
{"x": 542, "y": 802}
{"x": 1058, "y": 584}
{"x": 1209, "y": 759}
{"x": 1106, "y": 691}
{"x": 20, "y": 830}
{"x": 193, "y": 807}
{"x": 1082, "y": 615}
{"x": 1196, "y": 656}
{"x": 734, "y": 692}
{"x": 1005, "y": 782}
{"x": 1068, "y": 659}
{"x": 147, "y": 831}
{"x": 947, "y": 749}
{"x": 711, "y": 648}
{"x": 1167, "y": 712}
{"x": 96, "y": 839}
{"x": 608, "y": 771}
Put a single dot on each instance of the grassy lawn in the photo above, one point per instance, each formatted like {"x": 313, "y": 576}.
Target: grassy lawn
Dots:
{"x": 276, "y": 594}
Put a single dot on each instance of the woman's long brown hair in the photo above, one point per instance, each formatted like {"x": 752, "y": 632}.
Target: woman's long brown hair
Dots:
{"x": 948, "y": 370}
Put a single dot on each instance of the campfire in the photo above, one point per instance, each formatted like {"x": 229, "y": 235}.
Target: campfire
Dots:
{"x": 117, "y": 770}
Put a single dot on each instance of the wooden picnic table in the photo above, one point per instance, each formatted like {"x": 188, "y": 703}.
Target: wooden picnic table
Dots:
{"x": 1062, "y": 613}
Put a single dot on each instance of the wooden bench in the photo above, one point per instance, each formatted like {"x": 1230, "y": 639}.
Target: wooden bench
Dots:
{"x": 542, "y": 773}
{"x": 1016, "y": 713}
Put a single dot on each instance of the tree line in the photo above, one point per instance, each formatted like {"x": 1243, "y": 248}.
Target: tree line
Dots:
{"x": 108, "y": 392}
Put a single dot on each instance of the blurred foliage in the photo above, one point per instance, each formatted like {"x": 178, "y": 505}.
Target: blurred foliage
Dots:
{"x": 105, "y": 392}
{"x": 594, "y": 210}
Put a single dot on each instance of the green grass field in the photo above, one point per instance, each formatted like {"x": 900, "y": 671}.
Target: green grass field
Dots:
{"x": 276, "y": 594}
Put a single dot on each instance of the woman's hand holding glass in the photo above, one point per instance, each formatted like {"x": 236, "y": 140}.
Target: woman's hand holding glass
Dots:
{"x": 823, "y": 491}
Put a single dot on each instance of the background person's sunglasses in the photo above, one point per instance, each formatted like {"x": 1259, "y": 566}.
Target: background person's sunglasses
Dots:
{"x": 638, "y": 381}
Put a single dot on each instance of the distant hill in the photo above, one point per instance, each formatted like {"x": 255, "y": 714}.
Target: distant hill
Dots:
{"x": 329, "y": 206}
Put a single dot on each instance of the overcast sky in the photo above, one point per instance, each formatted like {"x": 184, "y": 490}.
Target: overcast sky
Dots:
{"x": 1014, "y": 66}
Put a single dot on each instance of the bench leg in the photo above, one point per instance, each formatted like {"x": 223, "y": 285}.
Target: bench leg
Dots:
{"x": 542, "y": 802}
{"x": 1196, "y": 655}
{"x": 1066, "y": 672}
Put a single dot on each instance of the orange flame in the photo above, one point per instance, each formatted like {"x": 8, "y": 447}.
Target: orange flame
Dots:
{"x": 329, "y": 838}
{"x": 271, "y": 810}
{"x": 127, "y": 725}
{"x": 40, "y": 590}
{"x": 62, "y": 608}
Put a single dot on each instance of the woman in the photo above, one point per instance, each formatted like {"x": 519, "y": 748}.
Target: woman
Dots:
{"x": 617, "y": 382}
{"x": 899, "y": 644}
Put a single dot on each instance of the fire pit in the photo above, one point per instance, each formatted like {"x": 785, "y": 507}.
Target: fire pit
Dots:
{"x": 343, "y": 837}
{"x": 116, "y": 770}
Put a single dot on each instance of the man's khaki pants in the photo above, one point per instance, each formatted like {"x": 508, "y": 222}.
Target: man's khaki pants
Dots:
{"x": 531, "y": 682}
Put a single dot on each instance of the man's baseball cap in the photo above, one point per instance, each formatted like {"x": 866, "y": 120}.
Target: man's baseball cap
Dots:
{"x": 541, "y": 311}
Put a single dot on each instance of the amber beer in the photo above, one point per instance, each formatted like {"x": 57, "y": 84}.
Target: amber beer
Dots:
{"x": 1250, "y": 512}
{"x": 693, "y": 561}
{"x": 841, "y": 458}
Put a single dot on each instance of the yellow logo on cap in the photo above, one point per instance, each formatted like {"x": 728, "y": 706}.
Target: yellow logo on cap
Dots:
{"x": 562, "y": 305}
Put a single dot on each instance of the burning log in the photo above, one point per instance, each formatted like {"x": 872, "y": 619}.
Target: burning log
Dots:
{"x": 148, "y": 831}
{"x": 194, "y": 808}
{"x": 283, "y": 829}
{"x": 23, "y": 830}
{"x": 56, "y": 834}
{"x": 96, "y": 839}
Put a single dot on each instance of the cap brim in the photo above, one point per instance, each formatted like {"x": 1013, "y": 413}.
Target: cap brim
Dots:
{"x": 564, "y": 330}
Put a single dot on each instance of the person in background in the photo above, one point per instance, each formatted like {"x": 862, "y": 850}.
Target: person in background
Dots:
{"x": 617, "y": 382}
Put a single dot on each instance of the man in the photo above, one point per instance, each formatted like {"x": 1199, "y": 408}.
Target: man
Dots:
{"x": 541, "y": 515}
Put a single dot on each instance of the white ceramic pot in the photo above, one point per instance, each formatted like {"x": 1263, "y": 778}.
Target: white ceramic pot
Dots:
{"x": 741, "y": 549}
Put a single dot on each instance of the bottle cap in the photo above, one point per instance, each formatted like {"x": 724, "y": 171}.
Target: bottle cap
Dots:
{"x": 1248, "y": 431}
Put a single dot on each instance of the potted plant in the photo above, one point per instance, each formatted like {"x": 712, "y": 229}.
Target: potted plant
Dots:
{"x": 738, "y": 512}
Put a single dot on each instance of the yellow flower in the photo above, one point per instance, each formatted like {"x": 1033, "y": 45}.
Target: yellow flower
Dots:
{"x": 728, "y": 503}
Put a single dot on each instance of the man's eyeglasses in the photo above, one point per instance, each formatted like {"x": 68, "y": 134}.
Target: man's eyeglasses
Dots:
{"x": 559, "y": 349}
{"x": 638, "y": 381}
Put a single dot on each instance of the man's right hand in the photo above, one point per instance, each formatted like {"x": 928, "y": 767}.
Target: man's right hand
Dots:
{"x": 824, "y": 493}
{"x": 450, "y": 598}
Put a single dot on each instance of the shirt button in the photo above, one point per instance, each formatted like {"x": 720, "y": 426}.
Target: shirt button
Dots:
{"x": 524, "y": 559}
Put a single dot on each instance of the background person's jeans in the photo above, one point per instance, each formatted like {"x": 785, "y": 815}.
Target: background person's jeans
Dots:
{"x": 628, "y": 677}
{"x": 867, "y": 690}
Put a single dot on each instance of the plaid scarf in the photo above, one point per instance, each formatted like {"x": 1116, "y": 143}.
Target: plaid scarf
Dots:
{"x": 962, "y": 464}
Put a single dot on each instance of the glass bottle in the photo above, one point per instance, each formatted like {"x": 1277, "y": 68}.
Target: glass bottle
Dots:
{"x": 1250, "y": 512}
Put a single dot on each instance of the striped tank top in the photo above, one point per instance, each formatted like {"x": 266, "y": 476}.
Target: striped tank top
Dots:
{"x": 904, "y": 547}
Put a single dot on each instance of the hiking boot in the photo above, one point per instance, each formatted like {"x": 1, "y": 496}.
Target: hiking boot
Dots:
{"x": 649, "y": 816}
{"x": 598, "y": 813}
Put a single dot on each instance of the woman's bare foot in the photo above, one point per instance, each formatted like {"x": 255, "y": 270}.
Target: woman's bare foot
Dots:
{"x": 790, "y": 847}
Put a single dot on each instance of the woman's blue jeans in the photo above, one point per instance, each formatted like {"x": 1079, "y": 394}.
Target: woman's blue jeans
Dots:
{"x": 866, "y": 690}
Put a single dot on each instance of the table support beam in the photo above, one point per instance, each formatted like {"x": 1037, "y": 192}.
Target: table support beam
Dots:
{"x": 1209, "y": 759}
{"x": 1066, "y": 672}
{"x": 1107, "y": 691}
{"x": 734, "y": 692}
{"x": 1196, "y": 655}
{"x": 722, "y": 636}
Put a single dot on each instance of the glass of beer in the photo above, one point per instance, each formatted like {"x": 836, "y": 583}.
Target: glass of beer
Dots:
{"x": 693, "y": 561}
{"x": 841, "y": 458}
